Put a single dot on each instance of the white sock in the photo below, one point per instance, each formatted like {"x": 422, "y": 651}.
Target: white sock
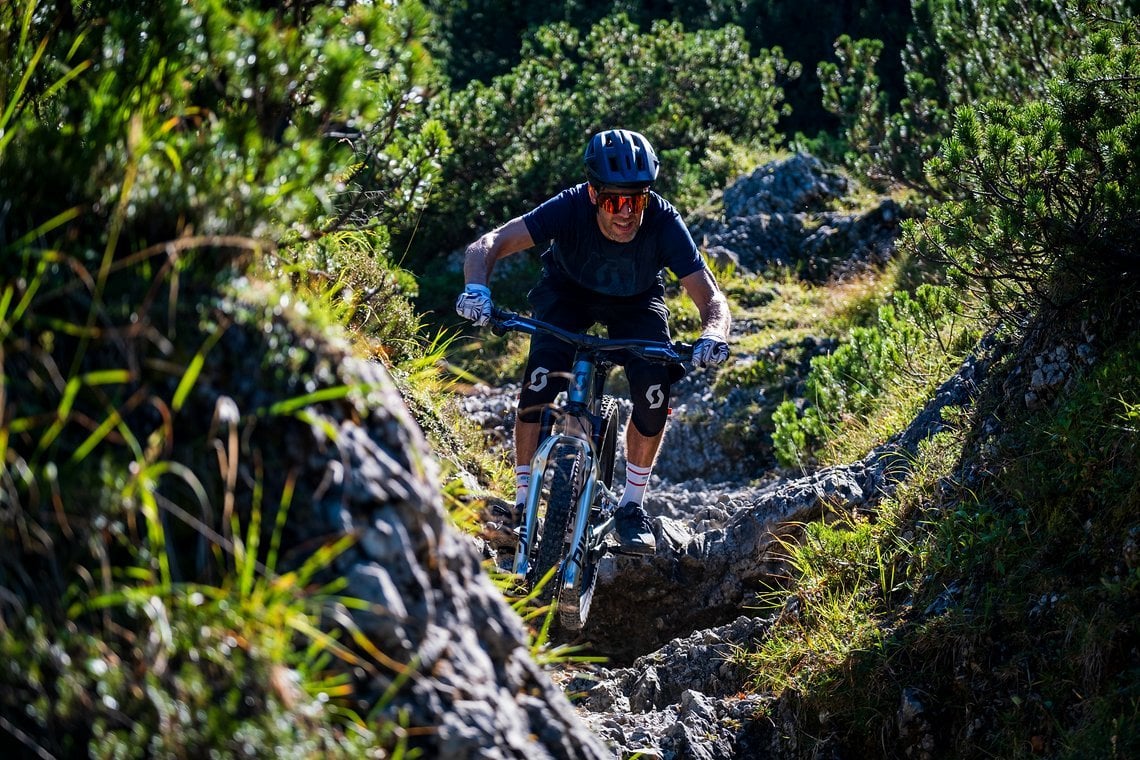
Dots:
{"x": 522, "y": 483}
{"x": 636, "y": 479}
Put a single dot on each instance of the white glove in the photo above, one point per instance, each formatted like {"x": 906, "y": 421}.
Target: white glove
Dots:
{"x": 710, "y": 350}
{"x": 474, "y": 303}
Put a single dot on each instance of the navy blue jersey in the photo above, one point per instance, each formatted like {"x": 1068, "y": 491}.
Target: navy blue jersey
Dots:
{"x": 581, "y": 254}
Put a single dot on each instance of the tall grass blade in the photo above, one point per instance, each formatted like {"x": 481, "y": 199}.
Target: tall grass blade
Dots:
{"x": 334, "y": 393}
{"x": 194, "y": 369}
{"x": 71, "y": 390}
{"x": 247, "y": 559}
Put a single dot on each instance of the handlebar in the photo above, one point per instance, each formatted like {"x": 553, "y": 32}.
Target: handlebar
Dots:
{"x": 667, "y": 353}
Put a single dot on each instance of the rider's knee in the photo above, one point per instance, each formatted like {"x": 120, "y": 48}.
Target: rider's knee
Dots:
{"x": 649, "y": 420}
{"x": 649, "y": 391}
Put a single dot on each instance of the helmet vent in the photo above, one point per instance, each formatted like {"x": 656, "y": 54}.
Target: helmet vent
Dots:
{"x": 620, "y": 157}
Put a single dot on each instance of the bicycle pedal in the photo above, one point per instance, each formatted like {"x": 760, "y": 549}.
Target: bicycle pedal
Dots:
{"x": 505, "y": 561}
{"x": 620, "y": 552}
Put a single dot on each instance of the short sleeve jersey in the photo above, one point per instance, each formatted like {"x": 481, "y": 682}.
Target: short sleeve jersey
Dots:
{"x": 581, "y": 253}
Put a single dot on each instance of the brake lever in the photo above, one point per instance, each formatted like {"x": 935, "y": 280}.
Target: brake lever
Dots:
{"x": 500, "y": 321}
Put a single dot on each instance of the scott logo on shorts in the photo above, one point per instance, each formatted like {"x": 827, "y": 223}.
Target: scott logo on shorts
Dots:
{"x": 655, "y": 396}
{"x": 538, "y": 378}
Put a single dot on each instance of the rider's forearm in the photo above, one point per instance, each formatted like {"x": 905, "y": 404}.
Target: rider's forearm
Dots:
{"x": 479, "y": 261}
{"x": 710, "y": 302}
{"x": 715, "y": 317}
{"x": 483, "y": 254}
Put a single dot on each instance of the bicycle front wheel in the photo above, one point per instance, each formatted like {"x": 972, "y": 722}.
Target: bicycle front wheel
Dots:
{"x": 574, "y": 600}
{"x": 564, "y": 476}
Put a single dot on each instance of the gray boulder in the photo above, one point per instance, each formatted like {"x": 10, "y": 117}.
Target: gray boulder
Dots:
{"x": 781, "y": 216}
{"x": 455, "y": 667}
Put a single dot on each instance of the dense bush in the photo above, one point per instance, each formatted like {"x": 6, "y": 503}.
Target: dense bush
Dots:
{"x": 150, "y": 153}
{"x": 520, "y": 138}
{"x": 911, "y": 345}
{"x": 957, "y": 54}
{"x": 805, "y": 32}
{"x": 209, "y": 118}
{"x": 1050, "y": 188}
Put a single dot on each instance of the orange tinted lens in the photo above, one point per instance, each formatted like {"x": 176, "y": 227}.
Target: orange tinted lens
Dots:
{"x": 613, "y": 203}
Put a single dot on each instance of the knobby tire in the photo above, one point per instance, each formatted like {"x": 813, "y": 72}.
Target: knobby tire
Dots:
{"x": 574, "y": 604}
{"x": 559, "y": 506}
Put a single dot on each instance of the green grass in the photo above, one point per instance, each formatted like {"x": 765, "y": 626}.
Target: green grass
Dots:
{"x": 1001, "y": 581}
{"x": 177, "y": 631}
{"x": 147, "y": 666}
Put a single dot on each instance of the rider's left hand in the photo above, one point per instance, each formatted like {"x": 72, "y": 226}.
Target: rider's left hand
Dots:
{"x": 710, "y": 350}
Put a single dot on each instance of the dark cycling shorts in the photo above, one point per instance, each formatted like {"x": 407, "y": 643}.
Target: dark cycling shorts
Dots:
{"x": 642, "y": 317}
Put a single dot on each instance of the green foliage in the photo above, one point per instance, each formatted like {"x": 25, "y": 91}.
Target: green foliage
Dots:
{"x": 913, "y": 343}
{"x": 148, "y": 153}
{"x": 144, "y": 147}
{"x": 1049, "y": 188}
{"x": 847, "y": 574}
{"x": 150, "y": 668}
{"x": 210, "y": 118}
{"x": 795, "y": 434}
{"x": 848, "y": 380}
{"x": 962, "y": 53}
{"x": 519, "y": 139}
{"x": 805, "y": 31}
{"x": 1003, "y": 49}
{"x": 1057, "y": 521}
{"x": 852, "y": 92}
{"x": 957, "y": 55}
{"x": 1075, "y": 463}
{"x": 1007, "y": 552}
{"x": 350, "y": 272}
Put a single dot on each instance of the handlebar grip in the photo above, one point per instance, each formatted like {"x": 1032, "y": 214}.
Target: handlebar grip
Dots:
{"x": 499, "y": 318}
{"x": 501, "y": 315}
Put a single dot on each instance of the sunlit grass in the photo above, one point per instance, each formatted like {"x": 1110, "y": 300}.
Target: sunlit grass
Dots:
{"x": 262, "y": 632}
{"x": 989, "y": 561}
{"x": 785, "y": 308}
{"x": 851, "y": 581}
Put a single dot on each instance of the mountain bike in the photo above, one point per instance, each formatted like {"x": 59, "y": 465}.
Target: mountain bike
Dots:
{"x": 569, "y": 510}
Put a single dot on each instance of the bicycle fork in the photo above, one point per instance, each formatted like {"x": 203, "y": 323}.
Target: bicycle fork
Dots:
{"x": 584, "y": 536}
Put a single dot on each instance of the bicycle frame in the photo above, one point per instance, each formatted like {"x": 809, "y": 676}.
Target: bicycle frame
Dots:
{"x": 581, "y": 410}
{"x": 581, "y": 420}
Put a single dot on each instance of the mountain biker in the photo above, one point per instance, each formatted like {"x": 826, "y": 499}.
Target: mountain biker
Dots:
{"x": 610, "y": 239}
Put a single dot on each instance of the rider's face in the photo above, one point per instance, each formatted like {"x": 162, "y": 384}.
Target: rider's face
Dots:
{"x": 620, "y": 226}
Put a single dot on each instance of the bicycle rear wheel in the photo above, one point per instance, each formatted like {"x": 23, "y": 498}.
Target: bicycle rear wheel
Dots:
{"x": 574, "y": 602}
{"x": 607, "y": 446}
{"x": 564, "y": 485}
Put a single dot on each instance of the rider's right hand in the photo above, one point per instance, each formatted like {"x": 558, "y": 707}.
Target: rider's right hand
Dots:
{"x": 474, "y": 303}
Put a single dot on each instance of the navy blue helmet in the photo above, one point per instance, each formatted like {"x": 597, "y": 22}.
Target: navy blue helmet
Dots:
{"x": 619, "y": 157}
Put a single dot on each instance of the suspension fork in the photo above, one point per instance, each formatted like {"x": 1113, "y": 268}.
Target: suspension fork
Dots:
{"x": 592, "y": 374}
{"x": 585, "y": 536}
{"x": 587, "y": 383}
{"x": 534, "y": 494}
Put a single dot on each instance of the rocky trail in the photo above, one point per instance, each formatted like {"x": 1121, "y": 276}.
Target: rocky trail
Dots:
{"x": 456, "y": 655}
{"x": 672, "y": 625}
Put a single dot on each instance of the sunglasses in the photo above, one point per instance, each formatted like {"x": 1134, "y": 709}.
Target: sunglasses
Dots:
{"x": 613, "y": 203}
